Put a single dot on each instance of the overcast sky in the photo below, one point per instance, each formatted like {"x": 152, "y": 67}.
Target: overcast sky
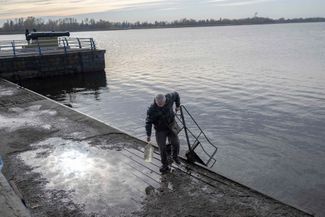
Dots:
{"x": 151, "y": 10}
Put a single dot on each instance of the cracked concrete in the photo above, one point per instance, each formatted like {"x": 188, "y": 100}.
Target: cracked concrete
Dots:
{"x": 68, "y": 164}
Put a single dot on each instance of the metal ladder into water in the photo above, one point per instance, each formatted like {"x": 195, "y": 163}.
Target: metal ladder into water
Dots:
{"x": 196, "y": 139}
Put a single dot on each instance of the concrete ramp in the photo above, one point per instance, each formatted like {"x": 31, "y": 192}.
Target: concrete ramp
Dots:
{"x": 68, "y": 164}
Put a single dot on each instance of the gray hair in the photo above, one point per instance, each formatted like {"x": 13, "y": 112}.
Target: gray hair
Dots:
{"x": 160, "y": 99}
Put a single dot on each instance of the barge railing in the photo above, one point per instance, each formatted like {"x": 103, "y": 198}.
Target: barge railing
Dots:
{"x": 36, "y": 47}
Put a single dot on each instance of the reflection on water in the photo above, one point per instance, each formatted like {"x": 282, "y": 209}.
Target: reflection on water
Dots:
{"x": 258, "y": 91}
{"x": 67, "y": 87}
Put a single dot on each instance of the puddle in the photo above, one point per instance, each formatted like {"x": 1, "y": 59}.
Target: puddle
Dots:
{"x": 98, "y": 180}
{"x": 31, "y": 116}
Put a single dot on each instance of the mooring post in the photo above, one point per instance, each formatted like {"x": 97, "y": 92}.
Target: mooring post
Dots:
{"x": 39, "y": 48}
{"x": 65, "y": 39}
{"x": 65, "y": 47}
{"x": 79, "y": 42}
{"x": 93, "y": 45}
{"x": 13, "y": 48}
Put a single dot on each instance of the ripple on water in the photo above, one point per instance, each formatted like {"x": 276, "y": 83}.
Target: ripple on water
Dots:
{"x": 260, "y": 98}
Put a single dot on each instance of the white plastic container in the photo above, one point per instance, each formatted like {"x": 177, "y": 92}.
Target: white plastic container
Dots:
{"x": 148, "y": 152}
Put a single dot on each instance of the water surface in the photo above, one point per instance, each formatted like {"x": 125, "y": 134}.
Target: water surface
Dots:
{"x": 258, "y": 91}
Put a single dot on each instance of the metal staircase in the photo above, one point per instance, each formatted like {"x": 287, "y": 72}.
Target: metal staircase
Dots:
{"x": 200, "y": 148}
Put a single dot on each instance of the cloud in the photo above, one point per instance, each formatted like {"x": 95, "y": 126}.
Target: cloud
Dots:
{"x": 169, "y": 9}
{"x": 151, "y": 10}
{"x": 24, "y": 8}
{"x": 237, "y": 2}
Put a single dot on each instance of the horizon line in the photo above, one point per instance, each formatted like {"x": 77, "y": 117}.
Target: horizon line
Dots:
{"x": 187, "y": 18}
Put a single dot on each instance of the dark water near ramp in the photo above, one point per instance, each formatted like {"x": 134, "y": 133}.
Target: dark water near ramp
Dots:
{"x": 258, "y": 91}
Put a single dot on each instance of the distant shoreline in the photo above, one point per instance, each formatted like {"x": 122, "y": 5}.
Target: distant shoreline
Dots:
{"x": 185, "y": 23}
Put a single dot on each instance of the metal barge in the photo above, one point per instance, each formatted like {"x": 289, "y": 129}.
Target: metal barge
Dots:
{"x": 45, "y": 54}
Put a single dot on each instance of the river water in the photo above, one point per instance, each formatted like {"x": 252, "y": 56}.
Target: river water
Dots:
{"x": 257, "y": 91}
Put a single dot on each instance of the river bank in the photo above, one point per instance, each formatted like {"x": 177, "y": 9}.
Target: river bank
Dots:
{"x": 184, "y": 23}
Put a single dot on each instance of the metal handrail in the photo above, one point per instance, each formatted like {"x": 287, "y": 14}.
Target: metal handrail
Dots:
{"x": 196, "y": 142}
{"x": 40, "y": 47}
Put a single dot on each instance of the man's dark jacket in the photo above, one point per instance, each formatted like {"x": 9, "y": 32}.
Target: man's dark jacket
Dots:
{"x": 160, "y": 117}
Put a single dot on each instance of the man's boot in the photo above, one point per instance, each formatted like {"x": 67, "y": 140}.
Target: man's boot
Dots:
{"x": 164, "y": 169}
{"x": 176, "y": 160}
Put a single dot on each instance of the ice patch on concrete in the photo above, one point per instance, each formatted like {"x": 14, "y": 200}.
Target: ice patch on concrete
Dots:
{"x": 32, "y": 116}
{"x": 35, "y": 107}
{"x": 77, "y": 135}
{"x": 99, "y": 180}
{"x": 16, "y": 109}
{"x": 46, "y": 126}
{"x": 7, "y": 92}
{"x": 48, "y": 112}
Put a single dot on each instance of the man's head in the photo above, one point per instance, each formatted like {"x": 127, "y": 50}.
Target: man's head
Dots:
{"x": 160, "y": 100}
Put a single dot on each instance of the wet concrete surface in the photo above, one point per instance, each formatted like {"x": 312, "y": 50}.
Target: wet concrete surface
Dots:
{"x": 10, "y": 204}
{"x": 68, "y": 164}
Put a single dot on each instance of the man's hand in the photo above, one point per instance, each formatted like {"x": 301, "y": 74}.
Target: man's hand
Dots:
{"x": 177, "y": 109}
{"x": 148, "y": 139}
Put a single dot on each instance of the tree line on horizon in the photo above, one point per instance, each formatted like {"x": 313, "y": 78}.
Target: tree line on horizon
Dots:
{"x": 19, "y": 25}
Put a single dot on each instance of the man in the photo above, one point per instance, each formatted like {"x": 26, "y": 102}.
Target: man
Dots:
{"x": 161, "y": 115}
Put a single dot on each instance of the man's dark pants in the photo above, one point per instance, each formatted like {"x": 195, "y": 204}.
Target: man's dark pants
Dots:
{"x": 161, "y": 137}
